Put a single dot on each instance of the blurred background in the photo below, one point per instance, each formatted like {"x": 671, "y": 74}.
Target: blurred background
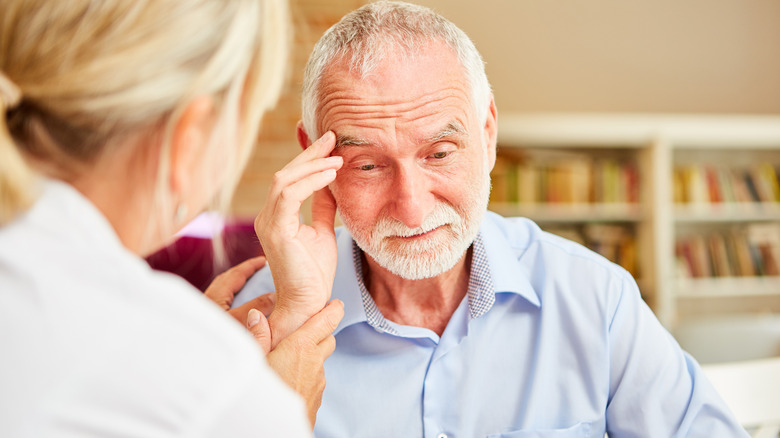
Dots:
{"x": 646, "y": 130}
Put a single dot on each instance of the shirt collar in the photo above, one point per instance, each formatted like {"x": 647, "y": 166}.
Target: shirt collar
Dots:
{"x": 345, "y": 285}
{"x": 494, "y": 269}
{"x": 504, "y": 247}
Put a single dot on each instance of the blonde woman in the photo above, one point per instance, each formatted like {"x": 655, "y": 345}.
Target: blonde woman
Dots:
{"x": 120, "y": 120}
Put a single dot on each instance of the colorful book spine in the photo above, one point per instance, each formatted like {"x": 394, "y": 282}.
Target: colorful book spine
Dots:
{"x": 746, "y": 251}
{"x": 707, "y": 184}
{"x": 569, "y": 180}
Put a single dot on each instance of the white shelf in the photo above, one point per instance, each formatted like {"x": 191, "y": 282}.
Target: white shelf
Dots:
{"x": 726, "y": 287}
{"x": 727, "y": 212}
{"x": 658, "y": 142}
{"x": 639, "y": 130}
{"x": 571, "y": 212}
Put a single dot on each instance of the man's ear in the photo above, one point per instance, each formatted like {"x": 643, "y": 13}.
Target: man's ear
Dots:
{"x": 303, "y": 137}
{"x": 190, "y": 137}
{"x": 491, "y": 132}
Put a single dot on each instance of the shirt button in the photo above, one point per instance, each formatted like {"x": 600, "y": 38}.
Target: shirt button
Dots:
{"x": 441, "y": 435}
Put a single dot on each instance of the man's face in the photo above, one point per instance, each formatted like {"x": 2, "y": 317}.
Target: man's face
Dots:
{"x": 415, "y": 181}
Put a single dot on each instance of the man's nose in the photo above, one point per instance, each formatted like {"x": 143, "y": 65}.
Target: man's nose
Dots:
{"x": 414, "y": 200}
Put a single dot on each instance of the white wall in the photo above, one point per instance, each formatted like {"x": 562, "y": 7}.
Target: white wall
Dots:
{"x": 626, "y": 55}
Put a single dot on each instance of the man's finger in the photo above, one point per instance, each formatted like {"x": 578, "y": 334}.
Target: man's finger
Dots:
{"x": 321, "y": 148}
{"x": 292, "y": 197}
{"x": 323, "y": 210}
{"x": 292, "y": 174}
{"x": 258, "y": 325}
{"x": 314, "y": 159}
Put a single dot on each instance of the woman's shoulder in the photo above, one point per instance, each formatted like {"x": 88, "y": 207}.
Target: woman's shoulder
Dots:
{"x": 150, "y": 348}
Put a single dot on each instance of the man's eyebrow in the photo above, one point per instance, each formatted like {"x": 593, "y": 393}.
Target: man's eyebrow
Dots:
{"x": 346, "y": 140}
{"x": 453, "y": 128}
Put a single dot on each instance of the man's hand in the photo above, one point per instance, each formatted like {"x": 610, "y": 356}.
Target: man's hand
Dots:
{"x": 299, "y": 358}
{"x": 227, "y": 284}
{"x": 302, "y": 258}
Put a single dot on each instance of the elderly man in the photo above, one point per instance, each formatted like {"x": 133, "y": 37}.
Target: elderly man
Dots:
{"x": 458, "y": 322}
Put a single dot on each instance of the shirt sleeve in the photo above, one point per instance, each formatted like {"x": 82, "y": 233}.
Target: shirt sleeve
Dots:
{"x": 258, "y": 284}
{"x": 657, "y": 389}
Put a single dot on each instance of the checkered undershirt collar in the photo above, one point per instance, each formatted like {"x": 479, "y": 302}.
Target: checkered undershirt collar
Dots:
{"x": 481, "y": 293}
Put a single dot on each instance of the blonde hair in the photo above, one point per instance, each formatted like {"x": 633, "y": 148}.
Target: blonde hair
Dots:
{"x": 364, "y": 37}
{"x": 91, "y": 71}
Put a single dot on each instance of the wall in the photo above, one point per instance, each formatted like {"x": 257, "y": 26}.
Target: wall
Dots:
{"x": 708, "y": 56}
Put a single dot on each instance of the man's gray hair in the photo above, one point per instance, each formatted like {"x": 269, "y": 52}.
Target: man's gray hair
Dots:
{"x": 366, "y": 36}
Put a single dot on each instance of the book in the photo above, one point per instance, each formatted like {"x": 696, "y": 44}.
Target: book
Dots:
{"x": 762, "y": 186}
{"x": 527, "y": 184}
{"x": 764, "y": 240}
{"x": 563, "y": 177}
{"x": 711, "y": 184}
{"x": 741, "y": 192}
{"x": 679, "y": 194}
{"x": 684, "y": 265}
{"x": 752, "y": 250}
{"x": 701, "y": 261}
{"x": 754, "y": 196}
{"x": 726, "y": 188}
{"x": 745, "y": 262}
{"x": 696, "y": 186}
{"x": 766, "y": 178}
{"x": 770, "y": 174}
{"x": 719, "y": 255}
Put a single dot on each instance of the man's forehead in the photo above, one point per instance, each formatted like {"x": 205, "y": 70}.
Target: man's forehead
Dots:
{"x": 427, "y": 98}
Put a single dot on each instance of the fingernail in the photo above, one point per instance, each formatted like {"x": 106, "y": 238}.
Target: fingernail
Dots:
{"x": 252, "y": 318}
{"x": 328, "y": 136}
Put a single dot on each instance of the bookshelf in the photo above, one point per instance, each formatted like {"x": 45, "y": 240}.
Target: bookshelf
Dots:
{"x": 660, "y": 188}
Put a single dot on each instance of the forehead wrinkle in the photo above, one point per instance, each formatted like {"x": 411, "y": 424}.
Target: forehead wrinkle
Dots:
{"x": 346, "y": 103}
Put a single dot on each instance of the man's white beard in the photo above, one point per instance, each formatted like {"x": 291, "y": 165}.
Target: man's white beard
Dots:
{"x": 431, "y": 255}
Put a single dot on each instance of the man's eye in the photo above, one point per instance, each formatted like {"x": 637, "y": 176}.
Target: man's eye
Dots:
{"x": 367, "y": 167}
{"x": 440, "y": 155}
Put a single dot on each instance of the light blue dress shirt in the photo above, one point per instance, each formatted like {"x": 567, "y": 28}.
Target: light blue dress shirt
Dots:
{"x": 552, "y": 340}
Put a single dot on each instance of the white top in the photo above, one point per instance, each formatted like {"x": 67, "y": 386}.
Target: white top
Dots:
{"x": 95, "y": 343}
